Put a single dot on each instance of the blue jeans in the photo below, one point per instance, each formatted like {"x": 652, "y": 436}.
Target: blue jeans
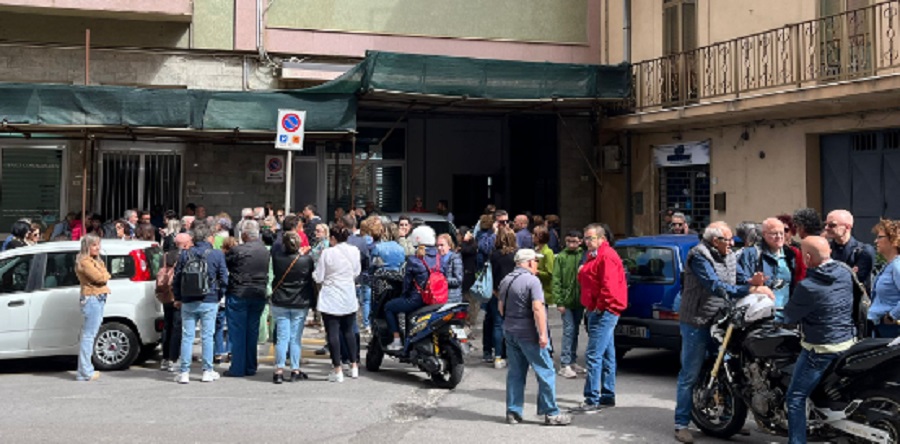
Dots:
{"x": 600, "y": 381}
{"x": 289, "y": 323}
{"x": 807, "y": 373}
{"x": 523, "y": 354}
{"x": 92, "y": 309}
{"x": 401, "y": 305}
{"x": 696, "y": 345}
{"x": 191, "y": 312}
{"x": 571, "y": 319}
{"x": 243, "y": 331}
{"x": 887, "y": 331}
{"x": 222, "y": 343}
{"x": 364, "y": 294}
{"x": 493, "y": 330}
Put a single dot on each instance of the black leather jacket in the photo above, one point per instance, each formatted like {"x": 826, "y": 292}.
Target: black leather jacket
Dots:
{"x": 297, "y": 289}
{"x": 248, "y": 270}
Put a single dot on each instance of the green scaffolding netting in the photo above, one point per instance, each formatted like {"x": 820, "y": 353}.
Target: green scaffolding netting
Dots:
{"x": 482, "y": 78}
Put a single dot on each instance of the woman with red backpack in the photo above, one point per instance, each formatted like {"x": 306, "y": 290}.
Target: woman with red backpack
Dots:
{"x": 418, "y": 280}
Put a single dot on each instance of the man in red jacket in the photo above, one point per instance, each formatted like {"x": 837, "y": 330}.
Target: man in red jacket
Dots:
{"x": 604, "y": 294}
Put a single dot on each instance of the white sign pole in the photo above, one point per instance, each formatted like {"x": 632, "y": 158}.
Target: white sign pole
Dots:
{"x": 287, "y": 181}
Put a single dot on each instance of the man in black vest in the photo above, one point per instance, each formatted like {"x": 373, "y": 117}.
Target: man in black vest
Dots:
{"x": 710, "y": 278}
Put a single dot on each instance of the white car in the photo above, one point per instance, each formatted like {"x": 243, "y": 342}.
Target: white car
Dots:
{"x": 40, "y": 312}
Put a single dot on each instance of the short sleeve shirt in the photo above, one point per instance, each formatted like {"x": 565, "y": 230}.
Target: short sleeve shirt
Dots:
{"x": 518, "y": 290}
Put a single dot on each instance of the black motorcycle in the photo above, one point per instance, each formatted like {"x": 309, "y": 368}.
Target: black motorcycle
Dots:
{"x": 433, "y": 336}
{"x": 857, "y": 398}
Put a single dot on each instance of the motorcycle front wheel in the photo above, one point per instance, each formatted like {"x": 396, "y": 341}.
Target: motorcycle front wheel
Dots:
{"x": 717, "y": 411}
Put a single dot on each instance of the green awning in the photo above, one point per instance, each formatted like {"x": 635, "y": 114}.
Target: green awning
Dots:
{"x": 490, "y": 79}
{"x": 38, "y": 105}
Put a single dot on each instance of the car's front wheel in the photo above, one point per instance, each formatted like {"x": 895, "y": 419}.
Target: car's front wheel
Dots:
{"x": 116, "y": 347}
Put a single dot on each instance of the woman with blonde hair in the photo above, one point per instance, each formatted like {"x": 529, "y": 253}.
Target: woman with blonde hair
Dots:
{"x": 321, "y": 242}
{"x": 451, "y": 266}
{"x": 92, "y": 276}
{"x": 885, "y": 309}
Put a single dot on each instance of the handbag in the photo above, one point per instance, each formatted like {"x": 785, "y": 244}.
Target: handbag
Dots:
{"x": 483, "y": 287}
{"x": 278, "y": 285}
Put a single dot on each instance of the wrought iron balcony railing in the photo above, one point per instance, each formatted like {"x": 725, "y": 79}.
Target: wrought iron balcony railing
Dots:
{"x": 854, "y": 44}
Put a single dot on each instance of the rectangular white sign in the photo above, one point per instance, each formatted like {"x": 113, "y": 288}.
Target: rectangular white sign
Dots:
{"x": 681, "y": 154}
{"x": 291, "y": 125}
{"x": 275, "y": 169}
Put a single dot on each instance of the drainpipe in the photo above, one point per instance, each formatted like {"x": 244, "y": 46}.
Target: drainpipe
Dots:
{"x": 260, "y": 47}
{"x": 626, "y": 55}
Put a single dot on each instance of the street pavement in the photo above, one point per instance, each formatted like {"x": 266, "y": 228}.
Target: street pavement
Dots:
{"x": 41, "y": 403}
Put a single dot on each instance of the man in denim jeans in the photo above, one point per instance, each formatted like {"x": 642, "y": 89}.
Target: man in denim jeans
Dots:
{"x": 823, "y": 306}
{"x": 710, "y": 277}
{"x": 201, "y": 308}
{"x": 604, "y": 294}
{"x": 521, "y": 302}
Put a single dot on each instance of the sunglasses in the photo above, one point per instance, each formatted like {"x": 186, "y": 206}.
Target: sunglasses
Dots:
{"x": 832, "y": 225}
{"x": 503, "y": 222}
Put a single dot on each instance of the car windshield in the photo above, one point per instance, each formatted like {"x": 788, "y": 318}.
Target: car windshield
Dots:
{"x": 648, "y": 264}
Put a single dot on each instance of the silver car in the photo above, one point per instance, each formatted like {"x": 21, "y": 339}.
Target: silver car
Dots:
{"x": 40, "y": 313}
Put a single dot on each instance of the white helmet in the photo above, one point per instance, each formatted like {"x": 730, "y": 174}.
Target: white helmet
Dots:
{"x": 423, "y": 235}
{"x": 759, "y": 307}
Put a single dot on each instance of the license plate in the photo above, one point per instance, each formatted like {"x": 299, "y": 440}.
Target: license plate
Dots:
{"x": 632, "y": 331}
{"x": 459, "y": 332}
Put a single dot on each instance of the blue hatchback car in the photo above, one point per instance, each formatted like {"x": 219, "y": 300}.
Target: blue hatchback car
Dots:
{"x": 654, "y": 267}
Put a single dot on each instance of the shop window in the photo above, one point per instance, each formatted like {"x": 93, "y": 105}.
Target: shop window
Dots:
{"x": 30, "y": 184}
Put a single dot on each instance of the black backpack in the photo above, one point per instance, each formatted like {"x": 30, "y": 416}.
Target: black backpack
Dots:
{"x": 194, "y": 275}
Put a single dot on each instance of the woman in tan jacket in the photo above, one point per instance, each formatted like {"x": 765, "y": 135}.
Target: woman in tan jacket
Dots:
{"x": 92, "y": 275}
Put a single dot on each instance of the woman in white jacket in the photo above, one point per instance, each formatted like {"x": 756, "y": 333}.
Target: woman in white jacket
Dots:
{"x": 336, "y": 270}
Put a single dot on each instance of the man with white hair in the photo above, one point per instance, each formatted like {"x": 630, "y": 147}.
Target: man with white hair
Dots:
{"x": 773, "y": 259}
{"x": 679, "y": 224}
{"x": 248, "y": 270}
{"x": 246, "y": 214}
{"x": 845, "y": 248}
{"x": 131, "y": 217}
{"x": 710, "y": 278}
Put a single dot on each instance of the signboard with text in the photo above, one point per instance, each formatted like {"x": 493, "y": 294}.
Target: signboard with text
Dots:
{"x": 291, "y": 125}
{"x": 274, "y": 169}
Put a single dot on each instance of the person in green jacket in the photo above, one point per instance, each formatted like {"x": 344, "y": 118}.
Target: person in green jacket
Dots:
{"x": 541, "y": 237}
{"x": 567, "y": 293}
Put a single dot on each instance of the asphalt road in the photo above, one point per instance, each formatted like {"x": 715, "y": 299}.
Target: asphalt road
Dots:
{"x": 41, "y": 403}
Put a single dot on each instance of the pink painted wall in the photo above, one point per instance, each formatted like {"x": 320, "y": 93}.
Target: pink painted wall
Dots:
{"x": 182, "y": 8}
{"x": 245, "y": 25}
{"x": 355, "y": 45}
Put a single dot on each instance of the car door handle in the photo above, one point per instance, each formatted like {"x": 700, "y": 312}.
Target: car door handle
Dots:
{"x": 18, "y": 303}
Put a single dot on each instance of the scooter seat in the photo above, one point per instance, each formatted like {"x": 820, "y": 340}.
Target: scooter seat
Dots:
{"x": 425, "y": 310}
{"x": 852, "y": 360}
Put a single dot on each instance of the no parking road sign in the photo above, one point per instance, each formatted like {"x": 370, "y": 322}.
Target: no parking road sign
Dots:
{"x": 291, "y": 125}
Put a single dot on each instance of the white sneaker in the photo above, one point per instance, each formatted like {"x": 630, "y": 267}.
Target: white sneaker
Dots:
{"x": 499, "y": 363}
{"x": 567, "y": 372}
{"x": 395, "y": 346}
{"x": 164, "y": 364}
{"x": 336, "y": 377}
{"x": 354, "y": 372}
{"x": 183, "y": 377}
{"x": 210, "y": 376}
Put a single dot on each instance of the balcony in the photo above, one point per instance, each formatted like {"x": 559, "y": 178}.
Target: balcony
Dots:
{"x": 854, "y": 45}
{"x": 164, "y": 10}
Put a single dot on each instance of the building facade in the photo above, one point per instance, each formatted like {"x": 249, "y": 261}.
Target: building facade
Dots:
{"x": 523, "y": 156}
{"x": 743, "y": 110}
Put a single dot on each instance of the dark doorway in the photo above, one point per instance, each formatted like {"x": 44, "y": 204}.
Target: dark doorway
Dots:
{"x": 534, "y": 165}
{"x": 471, "y": 193}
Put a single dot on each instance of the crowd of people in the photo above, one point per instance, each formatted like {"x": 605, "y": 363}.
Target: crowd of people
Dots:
{"x": 269, "y": 263}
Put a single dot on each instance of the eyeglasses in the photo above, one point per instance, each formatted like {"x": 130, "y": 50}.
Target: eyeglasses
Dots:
{"x": 832, "y": 225}
{"x": 677, "y": 224}
{"x": 591, "y": 237}
{"x": 727, "y": 240}
{"x": 503, "y": 222}
{"x": 775, "y": 234}
{"x": 880, "y": 237}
